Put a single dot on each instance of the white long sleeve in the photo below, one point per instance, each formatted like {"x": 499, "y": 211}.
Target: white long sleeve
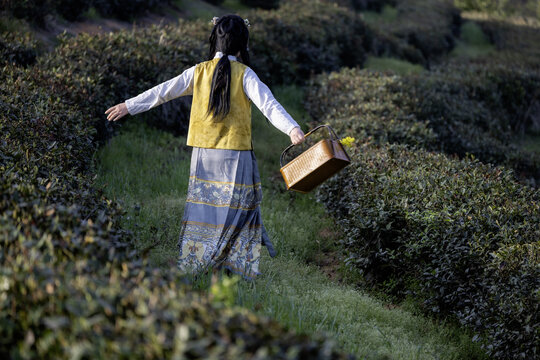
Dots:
{"x": 178, "y": 86}
{"x": 181, "y": 85}
{"x": 262, "y": 97}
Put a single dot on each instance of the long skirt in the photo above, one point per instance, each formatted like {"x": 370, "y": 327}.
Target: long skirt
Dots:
{"x": 222, "y": 225}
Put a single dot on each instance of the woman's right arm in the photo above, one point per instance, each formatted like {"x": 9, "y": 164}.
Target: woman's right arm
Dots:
{"x": 166, "y": 91}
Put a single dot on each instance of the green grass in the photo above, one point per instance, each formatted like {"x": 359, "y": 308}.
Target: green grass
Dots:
{"x": 473, "y": 42}
{"x": 398, "y": 66}
{"x": 147, "y": 168}
{"x": 388, "y": 14}
{"x": 234, "y": 5}
{"x": 530, "y": 142}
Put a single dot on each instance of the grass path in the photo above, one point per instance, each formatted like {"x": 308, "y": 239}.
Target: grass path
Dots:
{"x": 147, "y": 170}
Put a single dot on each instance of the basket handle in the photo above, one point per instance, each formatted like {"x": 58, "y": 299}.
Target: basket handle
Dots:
{"x": 331, "y": 132}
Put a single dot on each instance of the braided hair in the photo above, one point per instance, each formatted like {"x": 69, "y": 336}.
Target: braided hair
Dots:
{"x": 230, "y": 35}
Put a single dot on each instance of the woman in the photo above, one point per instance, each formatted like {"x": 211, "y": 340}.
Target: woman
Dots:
{"x": 222, "y": 225}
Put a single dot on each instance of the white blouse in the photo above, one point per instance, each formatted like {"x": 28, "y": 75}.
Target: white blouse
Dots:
{"x": 182, "y": 85}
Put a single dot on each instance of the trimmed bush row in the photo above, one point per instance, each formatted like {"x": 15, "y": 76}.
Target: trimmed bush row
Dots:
{"x": 529, "y": 8}
{"x": 304, "y": 38}
{"x": 518, "y": 44}
{"x": 460, "y": 235}
{"x": 36, "y": 10}
{"x": 476, "y": 108}
{"x": 106, "y": 69}
{"x": 422, "y": 32}
{"x": 17, "y": 49}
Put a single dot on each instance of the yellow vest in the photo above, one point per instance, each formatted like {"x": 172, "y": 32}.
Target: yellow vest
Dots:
{"x": 234, "y": 131}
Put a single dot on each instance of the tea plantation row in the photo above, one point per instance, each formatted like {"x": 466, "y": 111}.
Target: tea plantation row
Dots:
{"x": 71, "y": 283}
{"x": 460, "y": 235}
{"x": 477, "y": 107}
{"x": 36, "y": 10}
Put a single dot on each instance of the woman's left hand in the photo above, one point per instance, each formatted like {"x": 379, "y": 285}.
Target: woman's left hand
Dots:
{"x": 297, "y": 136}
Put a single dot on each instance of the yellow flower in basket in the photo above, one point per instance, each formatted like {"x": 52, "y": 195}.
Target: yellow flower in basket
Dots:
{"x": 347, "y": 141}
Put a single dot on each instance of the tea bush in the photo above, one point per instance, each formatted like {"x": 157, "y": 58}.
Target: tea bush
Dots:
{"x": 518, "y": 43}
{"x": 71, "y": 283}
{"x": 17, "y": 48}
{"x": 460, "y": 235}
{"x": 370, "y": 105}
{"x": 504, "y": 7}
{"x": 108, "y": 68}
{"x": 36, "y": 10}
{"x": 423, "y": 31}
{"x": 479, "y": 109}
{"x": 304, "y": 38}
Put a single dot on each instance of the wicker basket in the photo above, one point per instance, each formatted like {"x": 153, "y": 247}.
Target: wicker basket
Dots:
{"x": 316, "y": 164}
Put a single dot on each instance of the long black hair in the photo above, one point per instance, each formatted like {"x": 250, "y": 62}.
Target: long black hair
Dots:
{"x": 230, "y": 35}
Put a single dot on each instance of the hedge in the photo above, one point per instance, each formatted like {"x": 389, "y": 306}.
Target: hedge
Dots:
{"x": 302, "y": 38}
{"x": 423, "y": 31}
{"x": 17, "y": 48}
{"x": 529, "y": 8}
{"x": 459, "y": 109}
{"x": 459, "y": 235}
{"x": 518, "y": 44}
{"x": 72, "y": 10}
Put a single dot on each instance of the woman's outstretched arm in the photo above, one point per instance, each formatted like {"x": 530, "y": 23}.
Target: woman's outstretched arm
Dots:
{"x": 263, "y": 98}
{"x": 166, "y": 91}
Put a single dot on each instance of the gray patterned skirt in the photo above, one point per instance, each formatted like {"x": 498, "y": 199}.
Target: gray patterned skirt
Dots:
{"x": 222, "y": 225}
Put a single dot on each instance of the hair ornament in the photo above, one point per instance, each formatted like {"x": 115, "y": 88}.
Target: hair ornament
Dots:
{"x": 246, "y": 21}
{"x": 215, "y": 20}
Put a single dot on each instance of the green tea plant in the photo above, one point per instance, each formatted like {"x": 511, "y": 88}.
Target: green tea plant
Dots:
{"x": 478, "y": 108}
{"x": 459, "y": 235}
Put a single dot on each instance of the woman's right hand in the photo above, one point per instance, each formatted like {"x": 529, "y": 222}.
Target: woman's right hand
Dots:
{"x": 116, "y": 112}
{"x": 297, "y": 136}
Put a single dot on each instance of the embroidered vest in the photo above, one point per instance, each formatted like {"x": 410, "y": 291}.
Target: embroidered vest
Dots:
{"x": 234, "y": 131}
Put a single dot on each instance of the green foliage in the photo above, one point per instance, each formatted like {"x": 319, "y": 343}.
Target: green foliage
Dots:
{"x": 461, "y": 235}
{"x": 502, "y": 7}
{"x": 124, "y": 9}
{"x": 479, "y": 108}
{"x": 473, "y": 42}
{"x": 36, "y": 10}
{"x": 17, "y": 48}
{"x": 373, "y": 5}
{"x": 518, "y": 43}
{"x": 109, "y": 68}
{"x": 423, "y": 31}
{"x": 370, "y": 105}
{"x": 304, "y": 38}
